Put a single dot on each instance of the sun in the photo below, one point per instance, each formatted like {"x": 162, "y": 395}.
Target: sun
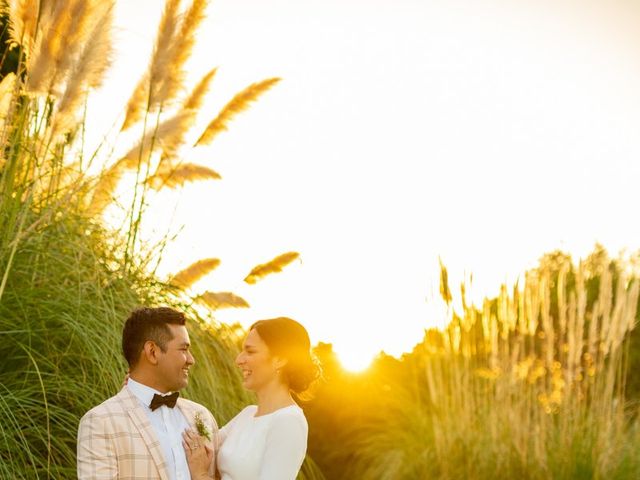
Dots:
{"x": 354, "y": 361}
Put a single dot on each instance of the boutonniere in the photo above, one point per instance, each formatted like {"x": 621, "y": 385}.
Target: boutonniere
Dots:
{"x": 202, "y": 429}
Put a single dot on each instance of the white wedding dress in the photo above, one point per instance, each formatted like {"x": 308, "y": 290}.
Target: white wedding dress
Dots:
{"x": 268, "y": 447}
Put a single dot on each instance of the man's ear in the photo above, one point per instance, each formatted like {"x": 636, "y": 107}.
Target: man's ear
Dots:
{"x": 150, "y": 352}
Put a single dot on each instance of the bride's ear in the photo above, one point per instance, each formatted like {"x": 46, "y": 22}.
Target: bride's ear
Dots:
{"x": 279, "y": 362}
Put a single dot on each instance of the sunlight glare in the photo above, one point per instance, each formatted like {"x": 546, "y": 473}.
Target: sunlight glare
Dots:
{"x": 354, "y": 361}
{"x": 375, "y": 281}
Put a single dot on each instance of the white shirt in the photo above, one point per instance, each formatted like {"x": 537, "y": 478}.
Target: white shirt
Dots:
{"x": 168, "y": 424}
{"x": 268, "y": 447}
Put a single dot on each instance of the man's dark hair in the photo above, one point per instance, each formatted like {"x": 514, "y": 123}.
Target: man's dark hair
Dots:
{"x": 146, "y": 324}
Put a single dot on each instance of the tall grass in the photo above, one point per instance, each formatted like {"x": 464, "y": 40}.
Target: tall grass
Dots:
{"x": 60, "y": 321}
{"x": 66, "y": 281}
{"x": 530, "y": 386}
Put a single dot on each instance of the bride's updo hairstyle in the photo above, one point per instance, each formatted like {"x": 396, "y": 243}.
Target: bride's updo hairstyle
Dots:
{"x": 289, "y": 340}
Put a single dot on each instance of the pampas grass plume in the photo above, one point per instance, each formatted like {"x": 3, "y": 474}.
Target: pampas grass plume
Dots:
{"x": 160, "y": 62}
{"x": 190, "y": 109}
{"x": 23, "y": 18}
{"x": 273, "y": 266}
{"x": 136, "y": 105}
{"x": 7, "y": 86}
{"x": 219, "y": 300}
{"x": 178, "y": 176}
{"x": 90, "y": 69}
{"x": 194, "y": 272}
{"x": 165, "y": 136}
{"x": 104, "y": 189}
{"x": 194, "y": 101}
{"x": 64, "y": 29}
{"x": 143, "y": 98}
{"x": 171, "y": 77}
{"x": 153, "y": 140}
{"x": 238, "y": 104}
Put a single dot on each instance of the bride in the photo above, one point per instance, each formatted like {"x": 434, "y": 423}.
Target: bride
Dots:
{"x": 267, "y": 441}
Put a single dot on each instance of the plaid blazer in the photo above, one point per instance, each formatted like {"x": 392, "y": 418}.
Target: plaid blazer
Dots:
{"x": 117, "y": 441}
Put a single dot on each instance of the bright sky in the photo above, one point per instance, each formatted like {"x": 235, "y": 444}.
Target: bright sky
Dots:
{"x": 485, "y": 132}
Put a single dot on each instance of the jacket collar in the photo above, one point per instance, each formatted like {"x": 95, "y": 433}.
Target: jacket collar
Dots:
{"x": 138, "y": 415}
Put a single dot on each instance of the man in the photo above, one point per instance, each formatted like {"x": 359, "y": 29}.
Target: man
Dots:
{"x": 137, "y": 434}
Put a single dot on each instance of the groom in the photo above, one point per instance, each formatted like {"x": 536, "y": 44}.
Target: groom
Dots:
{"x": 138, "y": 432}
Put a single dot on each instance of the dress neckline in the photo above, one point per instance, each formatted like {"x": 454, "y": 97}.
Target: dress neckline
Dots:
{"x": 256, "y": 417}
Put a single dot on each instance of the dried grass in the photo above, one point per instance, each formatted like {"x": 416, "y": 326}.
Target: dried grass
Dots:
{"x": 178, "y": 176}
{"x": 166, "y": 137}
{"x": 90, "y": 68}
{"x": 195, "y": 99}
{"x": 190, "y": 109}
{"x": 532, "y": 386}
{"x": 165, "y": 76}
{"x": 171, "y": 78}
{"x": 273, "y": 266}
{"x": 65, "y": 27}
{"x": 144, "y": 98}
{"x": 238, "y": 104}
{"x": 194, "y": 272}
{"x": 23, "y": 18}
{"x": 220, "y": 300}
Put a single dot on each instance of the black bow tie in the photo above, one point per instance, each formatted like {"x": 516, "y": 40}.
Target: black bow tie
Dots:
{"x": 168, "y": 400}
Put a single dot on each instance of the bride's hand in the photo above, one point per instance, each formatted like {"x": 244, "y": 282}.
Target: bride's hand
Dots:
{"x": 199, "y": 452}
{"x": 125, "y": 380}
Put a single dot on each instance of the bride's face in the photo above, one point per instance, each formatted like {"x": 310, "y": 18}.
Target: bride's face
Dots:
{"x": 258, "y": 366}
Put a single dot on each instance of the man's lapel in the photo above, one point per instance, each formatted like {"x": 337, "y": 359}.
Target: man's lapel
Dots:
{"x": 188, "y": 412}
{"x": 141, "y": 421}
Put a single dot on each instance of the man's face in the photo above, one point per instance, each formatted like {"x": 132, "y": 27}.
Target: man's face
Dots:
{"x": 174, "y": 363}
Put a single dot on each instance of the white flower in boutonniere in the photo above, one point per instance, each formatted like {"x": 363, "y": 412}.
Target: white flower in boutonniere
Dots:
{"x": 202, "y": 429}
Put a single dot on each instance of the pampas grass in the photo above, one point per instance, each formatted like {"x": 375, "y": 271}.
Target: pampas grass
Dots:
{"x": 23, "y": 17}
{"x": 88, "y": 73}
{"x": 276, "y": 265}
{"x": 178, "y": 176}
{"x": 163, "y": 137}
{"x": 194, "y": 272}
{"x": 64, "y": 30}
{"x": 7, "y": 87}
{"x": 165, "y": 76}
{"x": 529, "y": 386}
{"x": 136, "y": 107}
{"x": 67, "y": 282}
{"x": 180, "y": 49}
{"x": 159, "y": 67}
{"x": 144, "y": 98}
{"x": 219, "y": 300}
{"x": 190, "y": 109}
{"x": 238, "y": 104}
{"x": 194, "y": 101}
{"x": 61, "y": 316}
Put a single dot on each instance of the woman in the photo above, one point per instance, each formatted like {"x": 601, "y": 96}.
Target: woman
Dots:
{"x": 267, "y": 441}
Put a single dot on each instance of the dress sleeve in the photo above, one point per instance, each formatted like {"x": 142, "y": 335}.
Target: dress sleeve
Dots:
{"x": 96, "y": 458}
{"x": 285, "y": 449}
